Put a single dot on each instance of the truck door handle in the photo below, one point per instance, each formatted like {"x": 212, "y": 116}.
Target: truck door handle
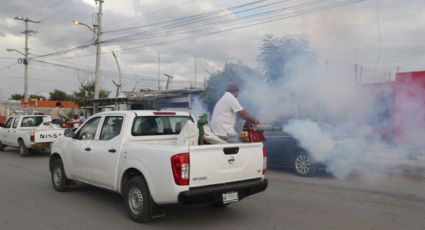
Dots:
{"x": 112, "y": 150}
{"x": 87, "y": 149}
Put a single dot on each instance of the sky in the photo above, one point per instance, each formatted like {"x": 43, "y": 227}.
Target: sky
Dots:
{"x": 381, "y": 36}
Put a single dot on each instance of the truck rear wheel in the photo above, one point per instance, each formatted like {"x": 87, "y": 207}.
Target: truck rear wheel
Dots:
{"x": 23, "y": 150}
{"x": 2, "y": 146}
{"x": 137, "y": 200}
{"x": 59, "y": 181}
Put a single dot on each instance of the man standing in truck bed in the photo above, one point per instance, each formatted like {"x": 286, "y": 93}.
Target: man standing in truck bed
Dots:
{"x": 58, "y": 116}
{"x": 223, "y": 119}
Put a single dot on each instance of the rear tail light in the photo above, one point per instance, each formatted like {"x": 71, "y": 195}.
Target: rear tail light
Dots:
{"x": 264, "y": 160}
{"x": 256, "y": 136}
{"x": 32, "y": 136}
{"x": 180, "y": 163}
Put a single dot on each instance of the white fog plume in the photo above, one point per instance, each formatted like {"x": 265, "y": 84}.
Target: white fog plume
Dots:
{"x": 198, "y": 108}
{"x": 335, "y": 120}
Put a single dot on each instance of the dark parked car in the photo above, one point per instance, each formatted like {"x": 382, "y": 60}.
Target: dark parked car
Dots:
{"x": 284, "y": 151}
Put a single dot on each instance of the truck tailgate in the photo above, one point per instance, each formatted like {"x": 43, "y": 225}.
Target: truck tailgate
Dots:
{"x": 217, "y": 164}
{"x": 47, "y": 135}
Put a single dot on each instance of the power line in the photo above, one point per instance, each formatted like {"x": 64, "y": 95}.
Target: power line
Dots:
{"x": 189, "y": 18}
{"x": 330, "y": 4}
{"x": 56, "y": 12}
{"x": 218, "y": 23}
{"x": 34, "y": 7}
{"x": 153, "y": 12}
{"x": 270, "y": 19}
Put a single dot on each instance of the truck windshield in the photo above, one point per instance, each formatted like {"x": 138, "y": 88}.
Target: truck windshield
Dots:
{"x": 34, "y": 121}
{"x": 158, "y": 125}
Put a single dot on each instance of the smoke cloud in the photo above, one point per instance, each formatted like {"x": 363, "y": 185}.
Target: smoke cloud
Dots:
{"x": 368, "y": 130}
{"x": 351, "y": 128}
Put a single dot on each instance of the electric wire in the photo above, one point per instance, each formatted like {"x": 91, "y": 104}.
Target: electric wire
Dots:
{"x": 149, "y": 13}
{"x": 227, "y": 21}
{"x": 271, "y": 19}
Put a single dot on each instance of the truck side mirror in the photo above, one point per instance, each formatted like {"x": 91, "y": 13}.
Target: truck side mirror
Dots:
{"x": 1, "y": 125}
{"x": 69, "y": 133}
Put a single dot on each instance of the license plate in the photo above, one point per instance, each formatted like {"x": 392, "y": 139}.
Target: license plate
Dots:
{"x": 230, "y": 197}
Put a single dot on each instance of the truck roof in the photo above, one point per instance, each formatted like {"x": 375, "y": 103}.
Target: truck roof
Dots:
{"x": 45, "y": 115}
{"x": 148, "y": 113}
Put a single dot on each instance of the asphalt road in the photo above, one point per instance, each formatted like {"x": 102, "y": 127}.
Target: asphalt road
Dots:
{"x": 28, "y": 201}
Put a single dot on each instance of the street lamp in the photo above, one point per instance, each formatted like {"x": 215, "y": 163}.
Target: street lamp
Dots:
{"x": 25, "y": 62}
{"x": 76, "y": 22}
{"x": 97, "y": 31}
{"x": 10, "y": 50}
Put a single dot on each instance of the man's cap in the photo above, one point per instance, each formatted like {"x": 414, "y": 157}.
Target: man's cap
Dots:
{"x": 232, "y": 87}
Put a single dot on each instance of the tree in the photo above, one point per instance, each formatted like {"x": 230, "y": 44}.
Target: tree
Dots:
{"x": 231, "y": 73}
{"x": 19, "y": 97}
{"x": 85, "y": 93}
{"x": 16, "y": 96}
{"x": 278, "y": 56}
{"x": 38, "y": 97}
{"x": 58, "y": 95}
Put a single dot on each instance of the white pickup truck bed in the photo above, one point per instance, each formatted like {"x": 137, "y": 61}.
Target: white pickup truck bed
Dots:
{"x": 29, "y": 132}
{"x": 142, "y": 161}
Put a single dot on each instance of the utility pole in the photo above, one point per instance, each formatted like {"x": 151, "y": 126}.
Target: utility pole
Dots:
{"x": 195, "y": 70}
{"x": 119, "y": 84}
{"x": 27, "y": 33}
{"x": 169, "y": 77}
{"x": 159, "y": 68}
{"x": 98, "y": 29}
{"x": 356, "y": 75}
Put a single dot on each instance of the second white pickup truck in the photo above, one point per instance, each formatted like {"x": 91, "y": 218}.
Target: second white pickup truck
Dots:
{"x": 136, "y": 154}
{"x": 29, "y": 132}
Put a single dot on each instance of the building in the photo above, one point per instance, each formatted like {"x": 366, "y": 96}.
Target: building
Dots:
{"x": 181, "y": 99}
{"x": 397, "y": 108}
{"x": 13, "y": 107}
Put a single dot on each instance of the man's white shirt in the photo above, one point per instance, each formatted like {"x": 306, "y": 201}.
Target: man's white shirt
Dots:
{"x": 223, "y": 119}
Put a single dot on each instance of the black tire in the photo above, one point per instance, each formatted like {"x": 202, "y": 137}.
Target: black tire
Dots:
{"x": 59, "y": 180}
{"x": 2, "y": 146}
{"x": 23, "y": 150}
{"x": 220, "y": 205}
{"x": 304, "y": 165}
{"x": 137, "y": 200}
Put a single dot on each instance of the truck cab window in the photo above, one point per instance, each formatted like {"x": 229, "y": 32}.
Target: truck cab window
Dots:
{"x": 8, "y": 123}
{"x": 158, "y": 125}
{"x": 111, "y": 127}
{"x": 88, "y": 131}
{"x": 15, "y": 122}
{"x": 34, "y": 121}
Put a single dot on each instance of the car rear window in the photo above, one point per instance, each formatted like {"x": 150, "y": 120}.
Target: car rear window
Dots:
{"x": 158, "y": 125}
{"x": 31, "y": 121}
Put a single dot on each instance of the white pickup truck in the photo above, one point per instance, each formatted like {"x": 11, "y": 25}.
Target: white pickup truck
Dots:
{"x": 136, "y": 154}
{"x": 29, "y": 132}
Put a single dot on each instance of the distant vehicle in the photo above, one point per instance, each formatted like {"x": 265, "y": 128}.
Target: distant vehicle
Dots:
{"x": 284, "y": 151}
{"x": 28, "y": 132}
{"x": 137, "y": 154}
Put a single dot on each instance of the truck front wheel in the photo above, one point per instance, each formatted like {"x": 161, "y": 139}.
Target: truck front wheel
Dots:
{"x": 23, "y": 150}
{"x": 137, "y": 200}
{"x": 59, "y": 181}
